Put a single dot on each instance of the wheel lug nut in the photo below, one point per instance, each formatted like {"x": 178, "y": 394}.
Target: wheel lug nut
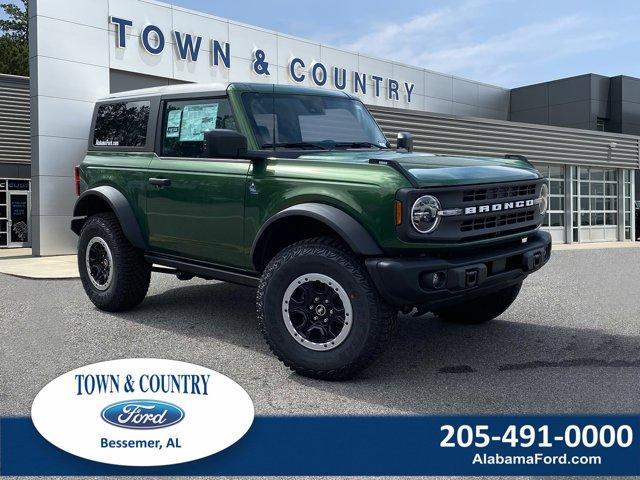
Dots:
{"x": 310, "y": 307}
{"x": 315, "y": 318}
{"x": 326, "y": 301}
{"x": 317, "y": 299}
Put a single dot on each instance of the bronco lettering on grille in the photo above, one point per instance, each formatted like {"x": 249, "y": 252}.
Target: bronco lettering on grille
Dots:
{"x": 498, "y": 207}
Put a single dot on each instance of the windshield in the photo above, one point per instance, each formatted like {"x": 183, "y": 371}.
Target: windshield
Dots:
{"x": 311, "y": 122}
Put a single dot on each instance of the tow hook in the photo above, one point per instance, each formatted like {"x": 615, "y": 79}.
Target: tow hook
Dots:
{"x": 471, "y": 278}
{"x": 534, "y": 260}
{"x": 537, "y": 259}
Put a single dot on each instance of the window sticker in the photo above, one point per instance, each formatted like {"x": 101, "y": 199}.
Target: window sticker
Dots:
{"x": 173, "y": 123}
{"x": 197, "y": 119}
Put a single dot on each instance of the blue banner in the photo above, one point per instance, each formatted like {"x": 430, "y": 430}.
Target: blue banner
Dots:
{"x": 376, "y": 445}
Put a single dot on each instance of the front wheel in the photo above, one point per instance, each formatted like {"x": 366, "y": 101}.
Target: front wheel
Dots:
{"x": 319, "y": 311}
{"x": 481, "y": 309}
{"x": 114, "y": 274}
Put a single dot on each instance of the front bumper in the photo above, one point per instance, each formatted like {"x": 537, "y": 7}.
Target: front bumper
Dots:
{"x": 409, "y": 281}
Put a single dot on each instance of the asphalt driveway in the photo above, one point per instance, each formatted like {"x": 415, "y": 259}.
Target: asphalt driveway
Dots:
{"x": 570, "y": 344}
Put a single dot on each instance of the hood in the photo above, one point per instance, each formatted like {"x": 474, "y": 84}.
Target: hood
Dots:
{"x": 442, "y": 170}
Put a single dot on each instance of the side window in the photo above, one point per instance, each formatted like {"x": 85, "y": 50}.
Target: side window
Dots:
{"x": 185, "y": 123}
{"x": 122, "y": 124}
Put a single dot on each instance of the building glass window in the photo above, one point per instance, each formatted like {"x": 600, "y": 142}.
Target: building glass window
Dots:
{"x": 575, "y": 207}
{"x": 15, "y": 207}
{"x": 3, "y": 214}
{"x": 554, "y": 219}
{"x": 595, "y": 194}
{"x": 628, "y": 190}
{"x": 601, "y": 124}
{"x": 555, "y": 179}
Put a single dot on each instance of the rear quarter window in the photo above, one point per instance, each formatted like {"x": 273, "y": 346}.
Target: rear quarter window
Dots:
{"x": 122, "y": 124}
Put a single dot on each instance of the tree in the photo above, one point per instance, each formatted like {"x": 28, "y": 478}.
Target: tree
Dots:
{"x": 14, "y": 42}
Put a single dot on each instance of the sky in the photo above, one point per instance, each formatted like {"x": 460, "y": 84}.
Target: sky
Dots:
{"x": 503, "y": 42}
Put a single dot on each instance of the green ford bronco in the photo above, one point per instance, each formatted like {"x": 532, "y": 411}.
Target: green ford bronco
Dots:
{"x": 297, "y": 192}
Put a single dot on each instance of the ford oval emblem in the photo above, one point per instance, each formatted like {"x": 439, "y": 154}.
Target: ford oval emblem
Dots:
{"x": 142, "y": 414}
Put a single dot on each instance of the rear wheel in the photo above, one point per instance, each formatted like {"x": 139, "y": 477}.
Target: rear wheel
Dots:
{"x": 481, "y": 309}
{"x": 319, "y": 311}
{"x": 114, "y": 274}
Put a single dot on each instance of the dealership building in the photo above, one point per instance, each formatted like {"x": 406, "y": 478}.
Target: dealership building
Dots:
{"x": 581, "y": 132}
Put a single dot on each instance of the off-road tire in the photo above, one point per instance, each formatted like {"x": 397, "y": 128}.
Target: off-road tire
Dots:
{"x": 481, "y": 309}
{"x": 373, "y": 319}
{"x": 131, "y": 273}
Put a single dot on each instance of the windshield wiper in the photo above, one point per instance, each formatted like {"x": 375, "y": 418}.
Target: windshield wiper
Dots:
{"x": 313, "y": 146}
{"x": 359, "y": 145}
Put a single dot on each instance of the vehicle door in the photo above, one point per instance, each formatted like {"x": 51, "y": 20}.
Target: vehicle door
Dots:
{"x": 195, "y": 205}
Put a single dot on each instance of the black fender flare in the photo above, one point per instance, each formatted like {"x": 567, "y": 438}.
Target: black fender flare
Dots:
{"x": 120, "y": 206}
{"x": 349, "y": 229}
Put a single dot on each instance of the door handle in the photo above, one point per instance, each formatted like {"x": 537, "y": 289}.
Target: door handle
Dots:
{"x": 160, "y": 182}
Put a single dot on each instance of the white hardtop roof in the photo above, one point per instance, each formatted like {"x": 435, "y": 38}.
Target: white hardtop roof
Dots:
{"x": 219, "y": 89}
{"x": 170, "y": 90}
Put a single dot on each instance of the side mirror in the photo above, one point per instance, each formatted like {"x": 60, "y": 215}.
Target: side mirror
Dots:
{"x": 224, "y": 144}
{"x": 405, "y": 141}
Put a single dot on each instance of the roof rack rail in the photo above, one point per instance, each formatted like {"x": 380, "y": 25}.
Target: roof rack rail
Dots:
{"x": 397, "y": 167}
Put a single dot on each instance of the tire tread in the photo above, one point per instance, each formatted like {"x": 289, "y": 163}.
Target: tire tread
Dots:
{"x": 134, "y": 273}
{"x": 383, "y": 319}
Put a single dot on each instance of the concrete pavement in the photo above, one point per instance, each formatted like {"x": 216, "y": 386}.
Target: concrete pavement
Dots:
{"x": 19, "y": 262}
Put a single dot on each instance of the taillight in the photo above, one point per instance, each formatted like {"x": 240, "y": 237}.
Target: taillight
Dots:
{"x": 76, "y": 179}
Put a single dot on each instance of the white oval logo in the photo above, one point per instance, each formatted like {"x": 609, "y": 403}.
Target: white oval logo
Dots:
{"x": 142, "y": 412}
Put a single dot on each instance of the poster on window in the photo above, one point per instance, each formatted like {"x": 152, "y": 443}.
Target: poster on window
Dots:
{"x": 19, "y": 211}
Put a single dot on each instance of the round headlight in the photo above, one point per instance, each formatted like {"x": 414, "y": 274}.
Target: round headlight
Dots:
{"x": 544, "y": 199}
{"x": 424, "y": 214}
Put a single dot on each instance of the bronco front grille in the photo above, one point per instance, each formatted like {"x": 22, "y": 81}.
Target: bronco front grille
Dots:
{"x": 477, "y": 212}
{"x": 495, "y": 221}
{"x": 493, "y": 193}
